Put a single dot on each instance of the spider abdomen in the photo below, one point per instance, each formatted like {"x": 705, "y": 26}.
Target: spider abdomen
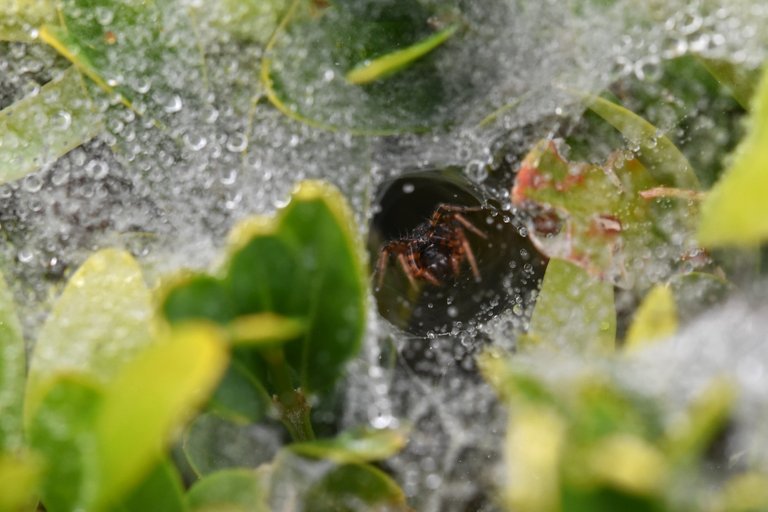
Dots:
{"x": 438, "y": 260}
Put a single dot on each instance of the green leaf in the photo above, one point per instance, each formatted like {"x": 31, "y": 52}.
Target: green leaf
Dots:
{"x": 735, "y": 211}
{"x": 333, "y": 43}
{"x": 303, "y": 484}
{"x": 178, "y": 374}
{"x": 308, "y": 263}
{"x": 18, "y": 18}
{"x": 105, "y": 39}
{"x": 355, "y": 487}
{"x": 62, "y": 431}
{"x": 19, "y": 478}
{"x": 664, "y": 161}
{"x": 297, "y": 281}
{"x": 241, "y": 396}
{"x": 363, "y": 445}
{"x": 161, "y": 489}
{"x": 101, "y": 321}
{"x": 37, "y": 130}
{"x": 231, "y": 490}
{"x": 389, "y": 64}
{"x": 12, "y": 373}
{"x": 574, "y": 309}
{"x": 212, "y": 443}
{"x": 655, "y": 319}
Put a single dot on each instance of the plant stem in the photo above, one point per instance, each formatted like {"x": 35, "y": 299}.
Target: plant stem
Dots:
{"x": 291, "y": 403}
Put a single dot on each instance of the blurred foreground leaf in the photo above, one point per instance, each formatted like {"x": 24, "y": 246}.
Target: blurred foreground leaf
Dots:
{"x": 19, "y": 478}
{"x": 735, "y": 211}
{"x": 12, "y": 373}
{"x": 161, "y": 489}
{"x": 101, "y": 321}
{"x": 37, "y": 130}
{"x": 102, "y": 443}
{"x": 656, "y": 318}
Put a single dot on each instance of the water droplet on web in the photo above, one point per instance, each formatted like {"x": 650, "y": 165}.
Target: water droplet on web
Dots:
{"x": 174, "y": 104}
{"x": 32, "y": 183}
{"x": 236, "y": 143}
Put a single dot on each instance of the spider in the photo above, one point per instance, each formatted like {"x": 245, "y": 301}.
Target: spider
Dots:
{"x": 435, "y": 249}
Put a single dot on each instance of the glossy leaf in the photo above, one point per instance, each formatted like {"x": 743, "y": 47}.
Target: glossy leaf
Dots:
{"x": 12, "y": 373}
{"x": 19, "y": 18}
{"x": 345, "y": 35}
{"x": 62, "y": 431}
{"x": 662, "y": 158}
{"x": 19, "y": 479}
{"x": 161, "y": 489}
{"x": 734, "y": 213}
{"x": 178, "y": 374}
{"x": 37, "y": 130}
{"x": 355, "y": 446}
{"x": 231, "y": 490}
{"x": 100, "y": 322}
{"x": 574, "y": 310}
{"x": 655, "y": 319}
{"x": 605, "y": 218}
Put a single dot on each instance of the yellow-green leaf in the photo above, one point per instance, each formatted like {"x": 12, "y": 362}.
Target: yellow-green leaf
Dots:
{"x": 389, "y": 64}
{"x": 39, "y": 129}
{"x": 101, "y": 321}
{"x": 735, "y": 211}
{"x": 150, "y": 399}
{"x": 655, "y": 319}
{"x": 574, "y": 309}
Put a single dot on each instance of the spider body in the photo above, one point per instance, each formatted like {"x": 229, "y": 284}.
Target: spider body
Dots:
{"x": 435, "y": 251}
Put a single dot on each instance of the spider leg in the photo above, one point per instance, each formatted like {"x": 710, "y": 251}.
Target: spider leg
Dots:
{"x": 381, "y": 266}
{"x": 455, "y": 212}
{"x": 464, "y": 222}
{"x": 407, "y": 270}
{"x": 431, "y": 278}
{"x": 470, "y": 255}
